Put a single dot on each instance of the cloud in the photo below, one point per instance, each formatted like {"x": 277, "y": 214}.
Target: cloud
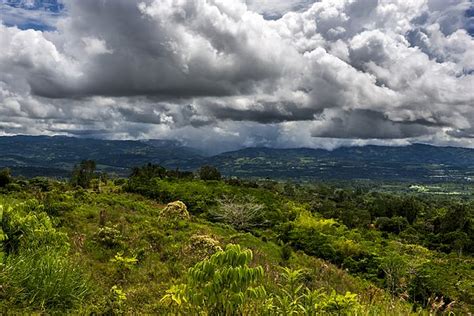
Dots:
{"x": 376, "y": 126}
{"x": 240, "y": 73}
{"x": 275, "y": 9}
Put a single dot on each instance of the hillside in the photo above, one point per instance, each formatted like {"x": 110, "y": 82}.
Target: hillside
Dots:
{"x": 55, "y": 156}
{"x": 117, "y": 247}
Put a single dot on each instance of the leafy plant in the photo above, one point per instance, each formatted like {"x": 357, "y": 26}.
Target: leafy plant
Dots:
{"x": 289, "y": 300}
{"x": 3, "y": 236}
{"x": 395, "y": 269}
{"x": 296, "y": 299}
{"x": 28, "y": 228}
{"x": 336, "y": 304}
{"x": 116, "y": 301}
{"x": 222, "y": 284}
{"x": 123, "y": 264}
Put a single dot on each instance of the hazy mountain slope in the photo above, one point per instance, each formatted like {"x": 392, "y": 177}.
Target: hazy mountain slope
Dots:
{"x": 411, "y": 163}
{"x": 60, "y": 154}
{"x": 29, "y": 155}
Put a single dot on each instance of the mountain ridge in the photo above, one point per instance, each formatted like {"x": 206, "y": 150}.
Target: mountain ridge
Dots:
{"x": 416, "y": 162}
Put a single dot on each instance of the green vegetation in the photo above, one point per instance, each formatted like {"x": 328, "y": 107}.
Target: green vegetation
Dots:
{"x": 83, "y": 174}
{"x": 5, "y": 177}
{"x": 168, "y": 242}
{"x": 209, "y": 173}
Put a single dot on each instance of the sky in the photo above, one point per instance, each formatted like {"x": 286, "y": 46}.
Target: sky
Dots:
{"x": 224, "y": 74}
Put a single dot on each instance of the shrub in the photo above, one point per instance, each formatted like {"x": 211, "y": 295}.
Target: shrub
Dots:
{"x": 175, "y": 210}
{"x": 286, "y": 252}
{"x": 28, "y": 229}
{"x": 395, "y": 269}
{"x": 202, "y": 246}
{"x": 36, "y": 269}
{"x": 336, "y": 304}
{"x": 116, "y": 301}
{"x": 56, "y": 203}
{"x": 109, "y": 237}
{"x": 3, "y": 236}
{"x": 295, "y": 299}
{"x": 13, "y": 187}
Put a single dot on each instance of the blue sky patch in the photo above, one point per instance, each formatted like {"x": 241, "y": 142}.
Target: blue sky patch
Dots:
{"x": 39, "y": 15}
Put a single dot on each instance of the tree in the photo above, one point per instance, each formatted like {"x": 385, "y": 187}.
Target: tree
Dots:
{"x": 457, "y": 218}
{"x": 209, "y": 173}
{"x": 410, "y": 208}
{"x": 5, "y": 177}
{"x": 395, "y": 269}
{"x": 240, "y": 214}
{"x": 83, "y": 173}
{"x": 148, "y": 172}
{"x": 392, "y": 225}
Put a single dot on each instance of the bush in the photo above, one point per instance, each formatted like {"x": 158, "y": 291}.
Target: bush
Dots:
{"x": 116, "y": 301}
{"x": 28, "y": 228}
{"x": 175, "y": 210}
{"x": 123, "y": 264}
{"x": 202, "y": 246}
{"x": 286, "y": 252}
{"x": 336, "y": 304}
{"x": 56, "y": 203}
{"x": 295, "y": 299}
{"x": 109, "y": 237}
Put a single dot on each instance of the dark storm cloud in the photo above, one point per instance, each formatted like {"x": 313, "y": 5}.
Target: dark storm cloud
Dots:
{"x": 163, "y": 49}
{"x": 265, "y": 112}
{"x": 366, "y": 124}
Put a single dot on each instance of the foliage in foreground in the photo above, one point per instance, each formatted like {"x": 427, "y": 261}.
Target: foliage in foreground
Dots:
{"x": 36, "y": 271}
{"x": 225, "y": 284}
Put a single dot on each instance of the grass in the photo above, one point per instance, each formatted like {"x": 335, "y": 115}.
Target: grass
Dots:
{"x": 43, "y": 281}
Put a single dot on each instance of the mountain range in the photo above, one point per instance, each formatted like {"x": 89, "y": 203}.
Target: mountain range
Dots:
{"x": 56, "y": 156}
